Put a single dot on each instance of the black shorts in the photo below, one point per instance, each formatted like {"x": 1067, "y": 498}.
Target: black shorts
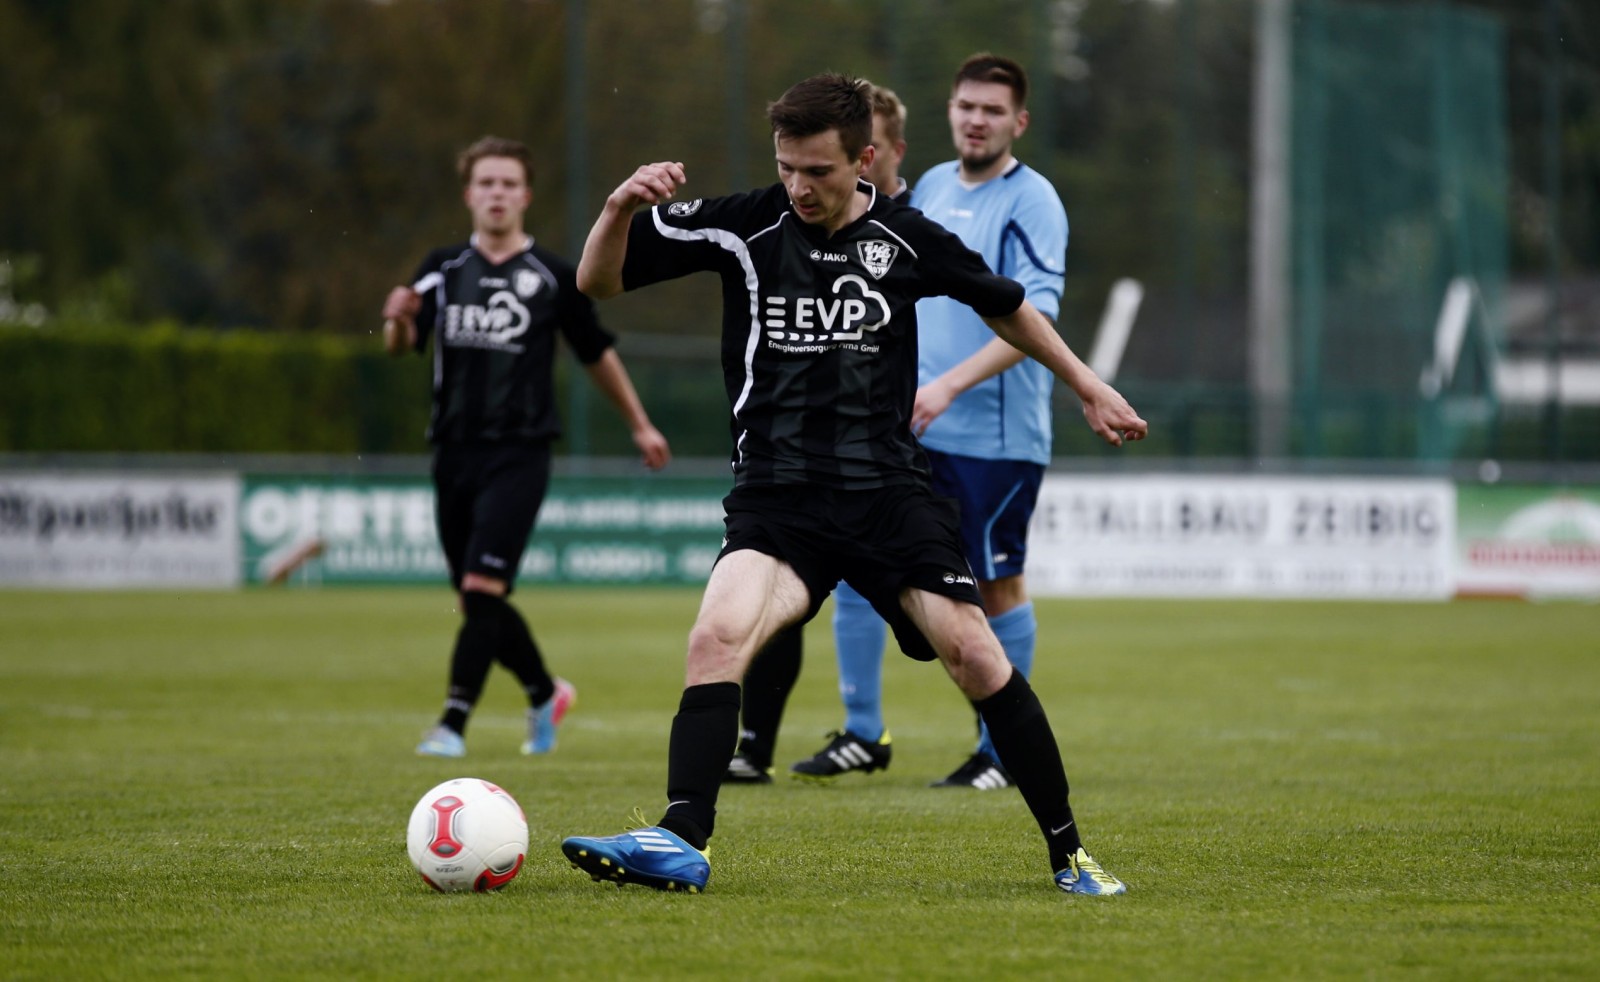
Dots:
{"x": 880, "y": 542}
{"x": 486, "y": 498}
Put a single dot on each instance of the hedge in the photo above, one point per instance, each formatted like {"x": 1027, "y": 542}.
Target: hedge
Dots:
{"x": 165, "y": 389}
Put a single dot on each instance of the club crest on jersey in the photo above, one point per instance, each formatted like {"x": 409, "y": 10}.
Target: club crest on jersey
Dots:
{"x": 877, "y": 255}
{"x": 683, "y": 209}
{"x": 527, "y": 283}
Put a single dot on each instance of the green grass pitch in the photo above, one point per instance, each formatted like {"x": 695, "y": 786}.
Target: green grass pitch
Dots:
{"x": 216, "y": 786}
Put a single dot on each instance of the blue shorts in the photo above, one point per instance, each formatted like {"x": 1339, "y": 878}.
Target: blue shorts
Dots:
{"x": 997, "y": 498}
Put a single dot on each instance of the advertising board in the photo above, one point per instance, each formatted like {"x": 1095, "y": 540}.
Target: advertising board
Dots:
{"x": 381, "y": 530}
{"x": 75, "y": 530}
{"x": 1536, "y": 542}
{"x": 1181, "y": 535}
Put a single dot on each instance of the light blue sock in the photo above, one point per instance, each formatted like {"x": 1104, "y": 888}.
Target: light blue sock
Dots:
{"x": 1017, "y": 630}
{"x": 858, "y": 633}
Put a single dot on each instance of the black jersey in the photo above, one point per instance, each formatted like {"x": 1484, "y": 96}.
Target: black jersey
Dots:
{"x": 819, "y": 332}
{"x": 494, "y": 329}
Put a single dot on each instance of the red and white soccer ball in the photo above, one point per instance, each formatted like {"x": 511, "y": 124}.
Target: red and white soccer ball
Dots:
{"x": 467, "y": 834}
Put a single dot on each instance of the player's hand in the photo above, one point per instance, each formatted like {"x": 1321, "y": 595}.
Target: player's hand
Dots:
{"x": 1110, "y": 416}
{"x": 403, "y": 304}
{"x": 932, "y": 400}
{"x": 653, "y": 446}
{"x": 651, "y": 184}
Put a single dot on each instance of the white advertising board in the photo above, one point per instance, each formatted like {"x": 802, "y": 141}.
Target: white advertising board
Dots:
{"x": 1180, "y": 535}
{"x": 69, "y": 530}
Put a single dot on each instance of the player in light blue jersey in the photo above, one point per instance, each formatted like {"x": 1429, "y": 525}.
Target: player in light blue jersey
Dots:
{"x": 982, "y": 410}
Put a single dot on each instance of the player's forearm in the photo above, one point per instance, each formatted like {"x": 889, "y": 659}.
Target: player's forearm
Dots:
{"x": 1031, "y": 333}
{"x": 600, "y": 268}
{"x": 400, "y": 310}
{"x": 399, "y": 335}
{"x": 985, "y": 363}
{"x": 1104, "y": 408}
{"x": 611, "y": 378}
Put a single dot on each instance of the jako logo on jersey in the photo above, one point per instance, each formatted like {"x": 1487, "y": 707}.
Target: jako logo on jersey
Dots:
{"x": 497, "y": 325}
{"x": 854, "y": 309}
{"x": 817, "y": 255}
{"x": 956, "y": 578}
{"x": 683, "y": 209}
{"x": 877, "y": 255}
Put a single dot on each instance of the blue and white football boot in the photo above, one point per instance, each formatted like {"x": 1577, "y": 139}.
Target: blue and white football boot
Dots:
{"x": 1084, "y": 875}
{"x": 543, "y": 720}
{"x": 649, "y": 856}
{"x": 442, "y": 741}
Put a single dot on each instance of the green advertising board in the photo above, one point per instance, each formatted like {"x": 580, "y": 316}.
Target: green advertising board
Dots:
{"x": 373, "y": 530}
{"x": 1528, "y": 541}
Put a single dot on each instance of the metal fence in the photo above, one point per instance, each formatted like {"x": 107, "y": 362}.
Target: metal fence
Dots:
{"x": 1406, "y": 334}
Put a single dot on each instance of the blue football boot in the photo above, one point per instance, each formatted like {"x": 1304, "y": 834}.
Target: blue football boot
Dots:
{"x": 543, "y": 720}
{"x": 441, "y": 741}
{"x": 1084, "y": 875}
{"x": 649, "y": 856}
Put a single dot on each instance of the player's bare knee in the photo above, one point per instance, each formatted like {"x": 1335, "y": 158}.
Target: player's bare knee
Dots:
{"x": 974, "y": 661}
{"x": 715, "y": 653}
{"x": 705, "y": 639}
{"x": 478, "y": 583}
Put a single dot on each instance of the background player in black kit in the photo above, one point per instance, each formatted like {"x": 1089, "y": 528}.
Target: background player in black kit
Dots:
{"x": 493, "y": 306}
{"x": 820, "y": 277}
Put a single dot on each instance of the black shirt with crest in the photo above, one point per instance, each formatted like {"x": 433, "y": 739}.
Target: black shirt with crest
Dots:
{"x": 494, "y": 328}
{"x": 819, "y": 331}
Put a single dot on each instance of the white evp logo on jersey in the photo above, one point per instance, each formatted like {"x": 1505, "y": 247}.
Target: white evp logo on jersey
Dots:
{"x": 854, "y": 309}
{"x": 877, "y": 255}
{"x": 683, "y": 209}
{"x": 494, "y": 326}
{"x": 528, "y": 283}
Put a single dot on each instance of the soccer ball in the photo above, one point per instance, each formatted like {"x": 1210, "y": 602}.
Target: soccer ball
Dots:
{"x": 467, "y": 834}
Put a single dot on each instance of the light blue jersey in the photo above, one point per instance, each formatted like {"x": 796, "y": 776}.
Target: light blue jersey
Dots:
{"x": 1017, "y": 223}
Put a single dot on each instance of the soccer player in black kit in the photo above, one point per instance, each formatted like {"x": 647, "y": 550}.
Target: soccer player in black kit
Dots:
{"x": 773, "y": 672}
{"x": 820, "y": 277}
{"x": 493, "y": 306}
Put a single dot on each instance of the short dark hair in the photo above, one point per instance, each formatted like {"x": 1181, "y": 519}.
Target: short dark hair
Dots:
{"x": 494, "y": 146}
{"x": 987, "y": 67}
{"x": 888, "y": 105}
{"x": 829, "y": 101}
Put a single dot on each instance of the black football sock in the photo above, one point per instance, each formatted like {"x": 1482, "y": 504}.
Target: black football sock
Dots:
{"x": 520, "y": 654}
{"x": 476, "y": 644}
{"x": 1027, "y": 747}
{"x": 703, "y": 736}
{"x": 767, "y": 684}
